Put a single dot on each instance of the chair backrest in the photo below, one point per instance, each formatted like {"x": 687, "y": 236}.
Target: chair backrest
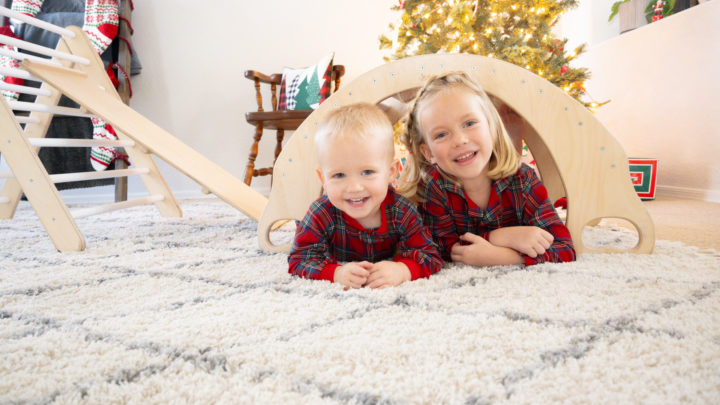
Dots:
{"x": 274, "y": 80}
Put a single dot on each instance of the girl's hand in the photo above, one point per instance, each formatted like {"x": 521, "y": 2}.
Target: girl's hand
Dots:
{"x": 528, "y": 240}
{"x": 474, "y": 252}
{"x": 479, "y": 252}
{"x": 388, "y": 274}
{"x": 353, "y": 274}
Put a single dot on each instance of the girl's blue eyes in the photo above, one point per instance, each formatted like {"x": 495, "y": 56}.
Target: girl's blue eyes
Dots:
{"x": 367, "y": 172}
{"x": 466, "y": 124}
{"x": 338, "y": 175}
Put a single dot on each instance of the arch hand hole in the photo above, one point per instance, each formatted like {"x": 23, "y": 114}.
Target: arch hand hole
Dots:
{"x": 610, "y": 233}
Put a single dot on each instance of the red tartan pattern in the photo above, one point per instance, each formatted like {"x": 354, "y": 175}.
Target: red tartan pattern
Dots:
{"x": 520, "y": 199}
{"x": 327, "y": 237}
{"x": 282, "y": 100}
{"x": 326, "y": 84}
{"x": 288, "y": 93}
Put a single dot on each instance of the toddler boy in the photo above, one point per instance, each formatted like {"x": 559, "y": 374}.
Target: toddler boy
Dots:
{"x": 360, "y": 233}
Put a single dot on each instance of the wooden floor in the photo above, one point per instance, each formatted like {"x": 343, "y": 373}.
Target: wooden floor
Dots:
{"x": 695, "y": 223}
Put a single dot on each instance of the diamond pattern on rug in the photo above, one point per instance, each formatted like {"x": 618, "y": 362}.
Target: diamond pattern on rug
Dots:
{"x": 190, "y": 310}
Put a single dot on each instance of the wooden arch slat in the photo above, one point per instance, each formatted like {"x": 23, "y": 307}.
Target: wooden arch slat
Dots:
{"x": 577, "y": 157}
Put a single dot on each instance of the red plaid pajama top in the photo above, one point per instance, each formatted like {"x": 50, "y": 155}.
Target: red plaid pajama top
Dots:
{"x": 327, "y": 237}
{"x": 520, "y": 199}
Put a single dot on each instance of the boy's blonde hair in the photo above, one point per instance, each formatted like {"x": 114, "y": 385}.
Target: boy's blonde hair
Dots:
{"x": 363, "y": 121}
{"x": 504, "y": 160}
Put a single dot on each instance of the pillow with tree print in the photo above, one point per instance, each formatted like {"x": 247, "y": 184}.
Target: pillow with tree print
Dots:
{"x": 306, "y": 88}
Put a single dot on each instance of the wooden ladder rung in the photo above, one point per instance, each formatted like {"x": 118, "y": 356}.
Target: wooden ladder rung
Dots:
{"x": 35, "y": 107}
{"x": 42, "y": 50}
{"x": 24, "y": 89}
{"x": 99, "y": 209}
{"x": 19, "y": 73}
{"x": 25, "y": 56}
{"x": 78, "y": 143}
{"x": 27, "y": 120}
{"x": 109, "y": 174}
{"x": 4, "y": 11}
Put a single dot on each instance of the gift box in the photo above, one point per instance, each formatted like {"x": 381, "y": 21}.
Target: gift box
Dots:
{"x": 643, "y": 173}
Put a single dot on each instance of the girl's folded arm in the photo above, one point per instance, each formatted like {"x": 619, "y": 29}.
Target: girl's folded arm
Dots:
{"x": 539, "y": 211}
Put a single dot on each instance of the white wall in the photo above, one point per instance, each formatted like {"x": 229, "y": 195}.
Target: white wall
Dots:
{"x": 588, "y": 24}
{"x": 662, "y": 80}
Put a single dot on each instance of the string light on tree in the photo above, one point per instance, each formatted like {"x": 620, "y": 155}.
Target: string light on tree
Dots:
{"x": 516, "y": 31}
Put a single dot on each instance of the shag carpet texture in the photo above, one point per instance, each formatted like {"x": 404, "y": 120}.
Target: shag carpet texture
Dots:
{"x": 190, "y": 310}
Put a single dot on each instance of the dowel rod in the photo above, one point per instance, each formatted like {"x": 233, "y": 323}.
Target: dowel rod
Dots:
{"x": 23, "y": 56}
{"x": 42, "y": 50}
{"x": 20, "y": 73}
{"x": 24, "y": 89}
{"x": 108, "y": 174}
{"x": 85, "y": 212}
{"x": 4, "y": 11}
{"x": 25, "y": 106}
{"x": 77, "y": 143}
{"x": 27, "y": 120}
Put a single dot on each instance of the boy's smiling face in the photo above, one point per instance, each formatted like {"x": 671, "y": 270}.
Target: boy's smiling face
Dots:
{"x": 355, "y": 173}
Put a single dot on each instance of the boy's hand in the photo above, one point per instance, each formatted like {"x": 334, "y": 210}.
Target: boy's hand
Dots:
{"x": 353, "y": 274}
{"x": 388, "y": 274}
{"x": 528, "y": 240}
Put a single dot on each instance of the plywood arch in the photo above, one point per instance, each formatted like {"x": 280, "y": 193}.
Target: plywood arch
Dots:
{"x": 574, "y": 152}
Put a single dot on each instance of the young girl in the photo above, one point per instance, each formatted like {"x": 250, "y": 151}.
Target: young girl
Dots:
{"x": 481, "y": 205}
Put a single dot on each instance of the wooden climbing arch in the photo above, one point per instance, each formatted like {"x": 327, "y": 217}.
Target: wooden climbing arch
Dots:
{"x": 577, "y": 157}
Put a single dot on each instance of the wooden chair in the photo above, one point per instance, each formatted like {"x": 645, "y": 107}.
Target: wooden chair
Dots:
{"x": 278, "y": 120}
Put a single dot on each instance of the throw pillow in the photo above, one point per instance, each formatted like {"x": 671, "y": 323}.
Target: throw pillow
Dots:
{"x": 306, "y": 88}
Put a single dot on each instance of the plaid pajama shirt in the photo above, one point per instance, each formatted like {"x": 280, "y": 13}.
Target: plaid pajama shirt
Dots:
{"x": 327, "y": 236}
{"x": 520, "y": 199}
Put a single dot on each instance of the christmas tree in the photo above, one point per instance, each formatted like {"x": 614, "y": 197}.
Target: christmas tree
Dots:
{"x": 313, "y": 88}
{"x": 308, "y": 92}
{"x": 516, "y": 31}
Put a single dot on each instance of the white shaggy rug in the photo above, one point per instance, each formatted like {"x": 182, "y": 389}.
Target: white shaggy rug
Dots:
{"x": 189, "y": 310}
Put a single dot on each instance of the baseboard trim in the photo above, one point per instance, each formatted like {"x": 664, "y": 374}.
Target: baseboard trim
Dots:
{"x": 689, "y": 193}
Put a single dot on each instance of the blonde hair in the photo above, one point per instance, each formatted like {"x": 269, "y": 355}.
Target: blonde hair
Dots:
{"x": 504, "y": 160}
{"x": 363, "y": 121}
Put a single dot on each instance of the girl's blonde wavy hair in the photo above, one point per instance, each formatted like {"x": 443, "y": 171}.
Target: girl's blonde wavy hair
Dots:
{"x": 504, "y": 160}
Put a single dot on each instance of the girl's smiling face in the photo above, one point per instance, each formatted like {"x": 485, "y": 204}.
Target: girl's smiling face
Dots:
{"x": 457, "y": 135}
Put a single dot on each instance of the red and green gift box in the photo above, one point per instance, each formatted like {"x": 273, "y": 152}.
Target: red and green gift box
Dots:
{"x": 643, "y": 174}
